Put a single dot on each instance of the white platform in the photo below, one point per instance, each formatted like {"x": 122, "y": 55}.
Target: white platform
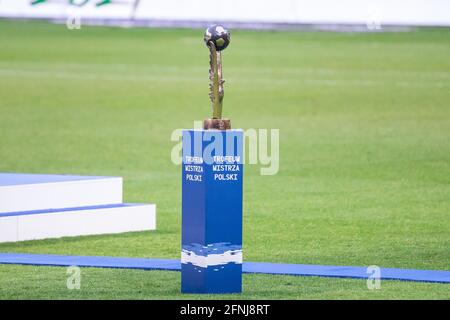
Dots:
{"x": 23, "y": 192}
{"x": 35, "y": 225}
{"x": 52, "y": 206}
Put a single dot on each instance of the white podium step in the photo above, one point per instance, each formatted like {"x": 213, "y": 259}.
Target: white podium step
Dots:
{"x": 69, "y": 222}
{"x": 24, "y": 192}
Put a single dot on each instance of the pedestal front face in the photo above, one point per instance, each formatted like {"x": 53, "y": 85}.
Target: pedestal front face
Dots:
{"x": 211, "y": 257}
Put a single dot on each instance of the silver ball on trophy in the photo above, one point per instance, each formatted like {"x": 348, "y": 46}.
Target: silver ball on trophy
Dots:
{"x": 217, "y": 35}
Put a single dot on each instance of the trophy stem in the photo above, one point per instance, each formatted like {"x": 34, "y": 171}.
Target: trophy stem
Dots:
{"x": 216, "y": 81}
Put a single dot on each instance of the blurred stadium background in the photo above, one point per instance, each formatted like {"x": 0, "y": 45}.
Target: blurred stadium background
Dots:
{"x": 250, "y": 13}
{"x": 364, "y": 124}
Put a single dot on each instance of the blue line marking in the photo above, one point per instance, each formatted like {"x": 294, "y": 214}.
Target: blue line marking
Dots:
{"x": 103, "y": 206}
{"x": 437, "y": 276}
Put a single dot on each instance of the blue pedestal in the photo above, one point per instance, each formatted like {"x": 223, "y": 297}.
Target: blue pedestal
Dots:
{"x": 212, "y": 211}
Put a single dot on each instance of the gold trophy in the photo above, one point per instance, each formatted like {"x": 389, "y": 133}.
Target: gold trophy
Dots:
{"x": 216, "y": 38}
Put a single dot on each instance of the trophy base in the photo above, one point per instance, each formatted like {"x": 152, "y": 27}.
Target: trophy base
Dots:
{"x": 217, "y": 124}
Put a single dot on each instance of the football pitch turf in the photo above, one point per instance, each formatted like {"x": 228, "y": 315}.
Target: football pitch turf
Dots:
{"x": 364, "y": 175}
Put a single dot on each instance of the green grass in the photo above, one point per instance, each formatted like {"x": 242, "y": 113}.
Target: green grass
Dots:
{"x": 364, "y": 125}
